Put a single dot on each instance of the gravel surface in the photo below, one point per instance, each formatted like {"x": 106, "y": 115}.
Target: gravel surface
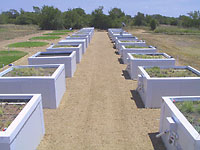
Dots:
{"x": 100, "y": 109}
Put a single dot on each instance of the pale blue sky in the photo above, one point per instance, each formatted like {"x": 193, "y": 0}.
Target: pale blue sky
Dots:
{"x": 131, "y": 7}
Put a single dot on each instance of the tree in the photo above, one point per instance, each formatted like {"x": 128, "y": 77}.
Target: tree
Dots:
{"x": 50, "y": 18}
{"x": 139, "y": 19}
{"x": 153, "y": 24}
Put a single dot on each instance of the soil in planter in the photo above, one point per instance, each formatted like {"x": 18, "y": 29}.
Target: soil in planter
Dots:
{"x": 134, "y": 46}
{"x": 170, "y": 72}
{"x": 129, "y": 41}
{"x": 57, "y": 46}
{"x": 8, "y": 112}
{"x": 191, "y": 110}
{"x": 30, "y": 71}
{"x": 149, "y": 56}
{"x": 53, "y": 54}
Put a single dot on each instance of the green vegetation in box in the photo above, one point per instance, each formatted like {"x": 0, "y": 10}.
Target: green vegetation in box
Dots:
{"x": 134, "y": 46}
{"x": 149, "y": 56}
{"x": 7, "y": 57}
{"x": 45, "y": 38}
{"x": 55, "y": 33}
{"x": 8, "y": 112}
{"x": 56, "y": 46}
{"x": 170, "y": 72}
{"x": 191, "y": 110}
{"x": 28, "y": 44}
{"x": 30, "y": 71}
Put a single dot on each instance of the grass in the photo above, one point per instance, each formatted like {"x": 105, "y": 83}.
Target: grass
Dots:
{"x": 184, "y": 48}
{"x": 65, "y": 31}
{"x": 134, "y": 46}
{"x": 169, "y": 72}
{"x": 191, "y": 110}
{"x": 176, "y": 30}
{"x": 11, "y": 31}
{"x": 28, "y": 44}
{"x": 148, "y": 56}
{"x": 56, "y": 46}
{"x": 55, "y": 33}
{"x": 30, "y": 71}
{"x": 7, "y": 57}
{"x": 45, "y": 38}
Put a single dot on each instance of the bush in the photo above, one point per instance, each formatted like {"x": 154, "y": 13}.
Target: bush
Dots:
{"x": 153, "y": 24}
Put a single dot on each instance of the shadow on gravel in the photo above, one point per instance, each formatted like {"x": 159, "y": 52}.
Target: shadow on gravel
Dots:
{"x": 156, "y": 142}
{"x": 126, "y": 75}
{"x": 120, "y": 61}
{"x": 136, "y": 97}
{"x": 116, "y": 52}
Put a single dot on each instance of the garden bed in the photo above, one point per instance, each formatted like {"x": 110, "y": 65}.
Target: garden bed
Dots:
{"x": 66, "y": 58}
{"x": 135, "y": 49}
{"x": 152, "y": 88}
{"x": 151, "y": 59}
{"x": 22, "y": 116}
{"x": 79, "y": 37}
{"x": 89, "y": 36}
{"x": 48, "y": 80}
{"x": 183, "y": 131}
{"x": 68, "y": 49}
{"x": 74, "y": 42}
{"x": 28, "y": 44}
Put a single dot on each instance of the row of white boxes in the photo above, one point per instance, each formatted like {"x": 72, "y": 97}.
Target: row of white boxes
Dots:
{"x": 38, "y": 92}
{"x": 176, "y": 131}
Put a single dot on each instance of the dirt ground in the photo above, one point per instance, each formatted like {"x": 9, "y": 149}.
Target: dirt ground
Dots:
{"x": 101, "y": 109}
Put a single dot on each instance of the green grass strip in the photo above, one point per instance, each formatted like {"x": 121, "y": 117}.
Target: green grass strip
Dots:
{"x": 44, "y": 38}
{"x": 7, "y": 57}
{"x": 28, "y": 44}
{"x": 63, "y": 31}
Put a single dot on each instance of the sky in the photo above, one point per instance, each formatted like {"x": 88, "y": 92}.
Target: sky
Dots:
{"x": 172, "y": 8}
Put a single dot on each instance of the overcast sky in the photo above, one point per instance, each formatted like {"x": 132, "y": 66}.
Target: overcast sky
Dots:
{"x": 131, "y": 7}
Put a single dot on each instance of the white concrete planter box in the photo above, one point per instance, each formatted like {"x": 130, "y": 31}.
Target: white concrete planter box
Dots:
{"x": 133, "y": 63}
{"x": 176, "y": 131}
{"x": 151, "y": 89}
{"x": 27, "y": 129}
{"x": 131, "y": 43}
{"x": 79, "y": 37}
{"x": 77, "y": 49}
{"x": 124, "y": 51}
{"x": 119, "y": 39}
{"x": 84, "y": 35}
{"x": 114, "y": 36}
{"x": 74, "y": 41}
{"x": 66, "y": 58}
{"x": 51, "y": 88}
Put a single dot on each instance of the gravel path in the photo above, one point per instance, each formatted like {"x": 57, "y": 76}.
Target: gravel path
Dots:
{"x": 100, "y": 109}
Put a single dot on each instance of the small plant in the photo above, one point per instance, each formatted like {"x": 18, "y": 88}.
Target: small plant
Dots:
{"x": 134, "y": 46}
{"x": 170, "y": 72}
{"x": 30, "y": 71}
{"x": 149, "y": 56}
{"x": 186, "y": 106}
{"x": 1, "y": 111}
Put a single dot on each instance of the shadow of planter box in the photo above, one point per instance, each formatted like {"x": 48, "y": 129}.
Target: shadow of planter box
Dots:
{"x": 77, "y": 49}
{"x": 69, "y": 61}
{"x": 75, "y": 42}
{"x": 119, "y": 39}
{"x": 124, "y": 51}
{"x": 27, "y": 129}
{"x": 177, "y": 127}
{"x": 133, "y": 63}
{"x": 76, "y": 37}
{"x": 151, "y": 89}
{"x": 51, "y": 88}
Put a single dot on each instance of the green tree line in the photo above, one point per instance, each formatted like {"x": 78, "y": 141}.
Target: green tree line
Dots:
{"x": 49, "y": 17}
